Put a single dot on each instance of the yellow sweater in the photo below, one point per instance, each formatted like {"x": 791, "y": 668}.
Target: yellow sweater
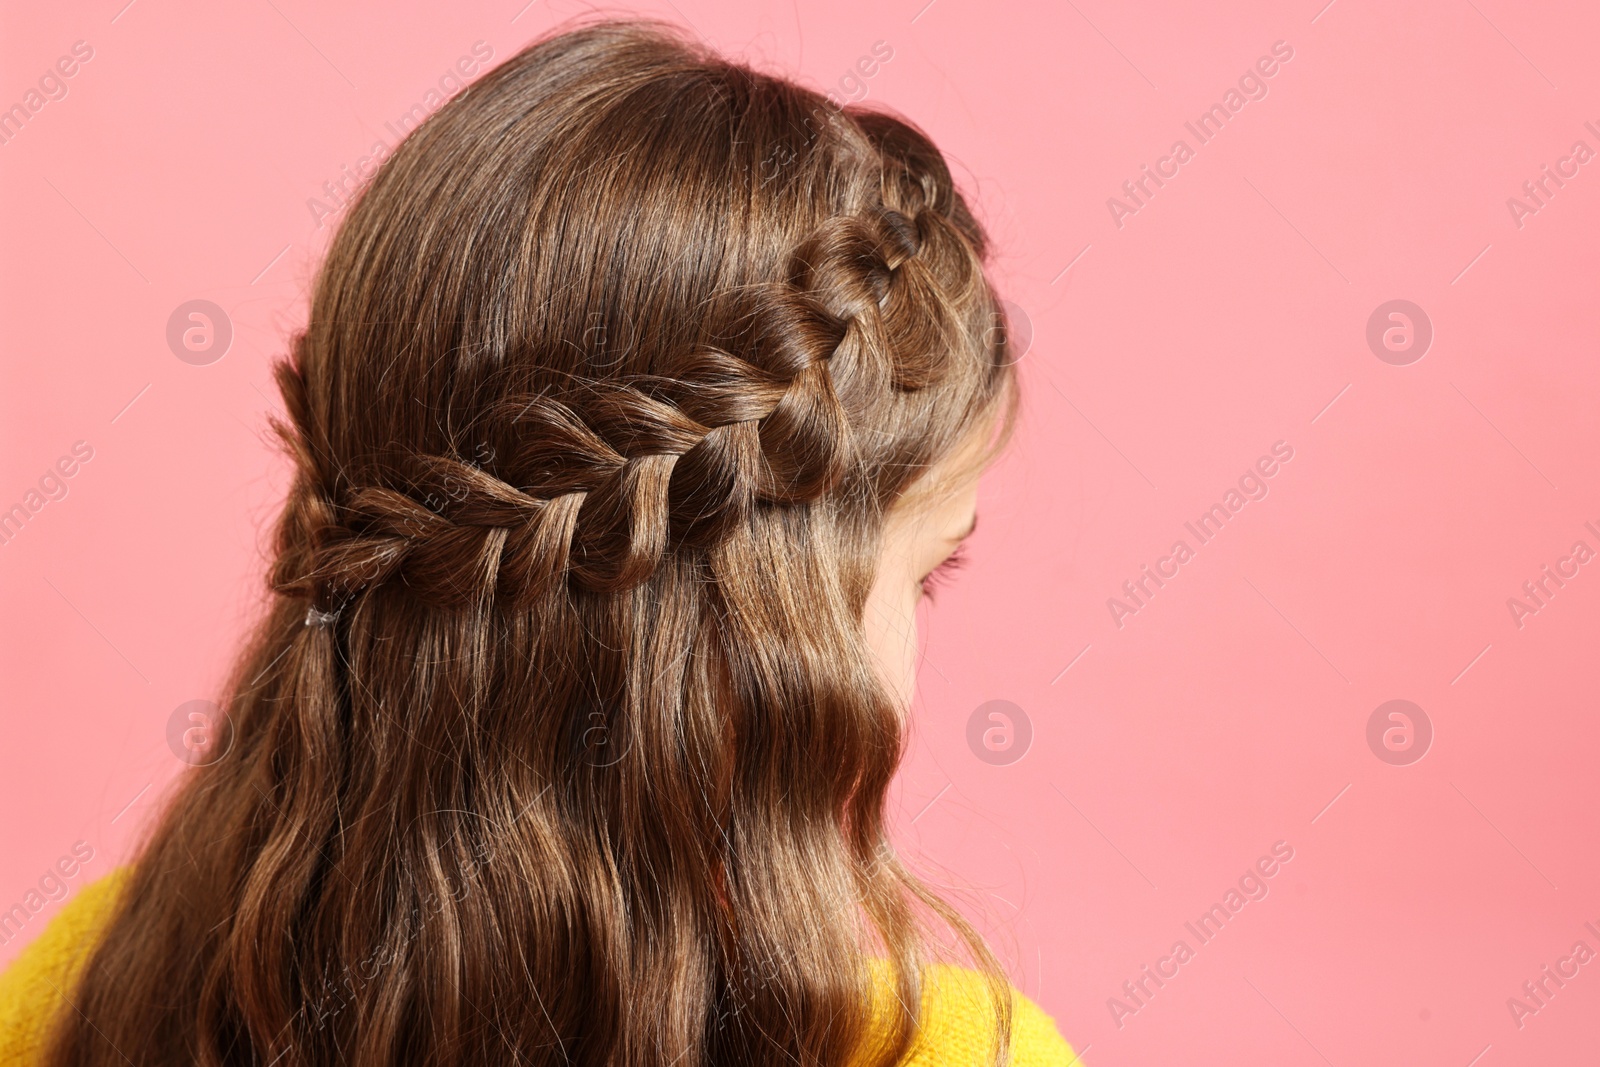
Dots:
{"x": 956, "y": 1028}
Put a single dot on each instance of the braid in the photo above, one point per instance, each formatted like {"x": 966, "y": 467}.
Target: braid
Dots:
{"x": 604, "y": 477}
{"x": 618, "y": 313}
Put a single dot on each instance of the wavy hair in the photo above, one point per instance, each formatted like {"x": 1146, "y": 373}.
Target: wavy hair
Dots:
{"x": 559, "y": 741}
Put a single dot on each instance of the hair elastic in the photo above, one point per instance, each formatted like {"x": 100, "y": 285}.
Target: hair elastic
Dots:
{"x": 319, "y": 618}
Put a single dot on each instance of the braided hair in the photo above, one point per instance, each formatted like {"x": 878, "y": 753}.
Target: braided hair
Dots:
{"x": 558, "y": 741}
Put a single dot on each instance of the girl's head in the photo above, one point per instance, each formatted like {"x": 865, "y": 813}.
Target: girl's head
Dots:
{"x": 640, "y": 393}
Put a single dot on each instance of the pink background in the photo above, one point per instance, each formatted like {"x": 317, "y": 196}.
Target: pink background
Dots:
{"x": 1169, "y": 353}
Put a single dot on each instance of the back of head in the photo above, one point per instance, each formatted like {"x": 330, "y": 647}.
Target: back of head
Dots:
{"x": 559, "y": 743}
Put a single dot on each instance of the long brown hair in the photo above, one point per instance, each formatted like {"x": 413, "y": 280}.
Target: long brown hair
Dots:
{"x": 559, "y": 742}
